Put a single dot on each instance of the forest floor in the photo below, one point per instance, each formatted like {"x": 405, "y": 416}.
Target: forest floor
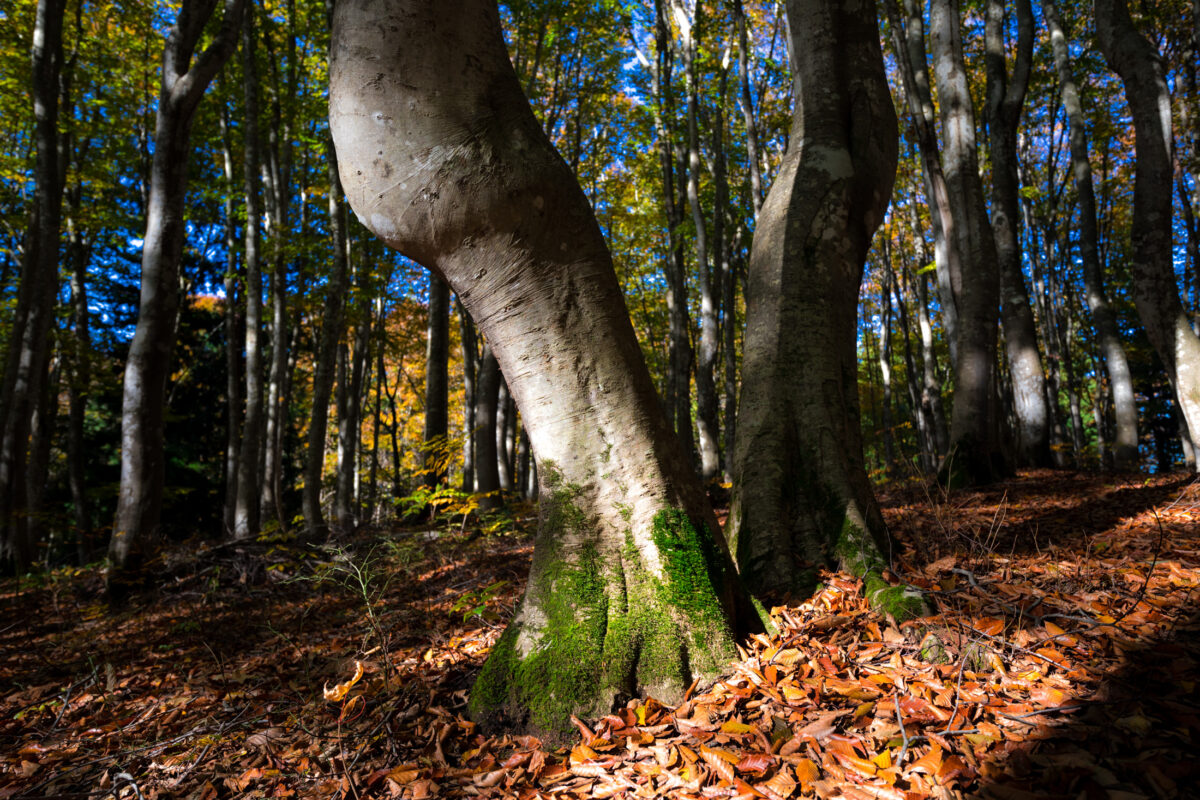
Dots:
{"x": 1063, "y": 662}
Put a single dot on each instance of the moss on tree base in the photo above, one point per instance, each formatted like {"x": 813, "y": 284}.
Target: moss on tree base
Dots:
{"x": 596, "y": 627}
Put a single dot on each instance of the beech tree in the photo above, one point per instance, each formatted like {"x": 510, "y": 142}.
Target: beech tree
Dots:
{"x": 1104, "y": 319}
{"x": 1155, "y": 291}
{"x": 183, "y": 83}
{"x": 801, "y": 493}
{"x": 28, "y": 353}
{"x": 631, "y": 590}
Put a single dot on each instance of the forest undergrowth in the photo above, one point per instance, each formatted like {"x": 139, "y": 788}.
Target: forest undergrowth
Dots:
{"x": 1062, "y": 661}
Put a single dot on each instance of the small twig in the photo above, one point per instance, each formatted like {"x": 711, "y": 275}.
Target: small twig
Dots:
{"x": 903, "y": 732}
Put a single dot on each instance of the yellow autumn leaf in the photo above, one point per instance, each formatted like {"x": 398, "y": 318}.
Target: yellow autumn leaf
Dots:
{"x": 339, "y": 692}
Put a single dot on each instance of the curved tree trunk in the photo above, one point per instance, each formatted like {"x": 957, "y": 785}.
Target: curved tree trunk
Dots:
{"x": 1006, "y": 98}
{"x": 629, "y": 591}
{"x": 147, "y": 369}
{"x": 1104, "y": 319}
{"x": 801, "y": 493}
{"x": 1155, "y": 291}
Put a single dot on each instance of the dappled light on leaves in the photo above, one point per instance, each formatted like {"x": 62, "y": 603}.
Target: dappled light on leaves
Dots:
{"x": 1062, "y": 661}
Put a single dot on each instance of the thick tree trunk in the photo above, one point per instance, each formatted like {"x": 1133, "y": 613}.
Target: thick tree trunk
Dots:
{"x": 332, "y": 326}
{"x": 1104, "y": 319}
{"x": 27, "y": 359}
{"x": 976, "y": 456}
{"x": 801, "y": 495}
{"x": 249, "y": 492}
{"x": 629, "y": 591}
{"x": 147, "y": 369}
{"x": 1006, "y": 98}
{"x": 1155, "y": 292}
{"x": 437, "y": 382}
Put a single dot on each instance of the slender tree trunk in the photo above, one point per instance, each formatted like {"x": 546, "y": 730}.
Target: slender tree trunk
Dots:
{"x": 279, "y": 174}
{"x": 332, "y": 326}
{"x": 487, "y": 393}
{"x": 674, "y": 175}
{"x": 27, "y": 358}
{"x": 1104, "y": 319}
{"x": 885, "y": 372}
{"x": 747, "y": 104}
{"x": 437, "y": 382}
{"x": 470, "y": 359}
{"x": 79, "y": 386}
{"x": 801, "y": 495}
{"x": 1155, "y": 292}
{"x": 234, "y": 335}
{"x": 147, "y": 369}
{"x": 502, "y": 219}
{"x": 1006, "y": 98}
{"x": 350, "y": 392}
{"x": 706, "y": 358}
{"x": 249, "y": 494}
{"x": 503, "y": 464}
{"x": 908, "y": 45}
{"x": 976, "y": 456}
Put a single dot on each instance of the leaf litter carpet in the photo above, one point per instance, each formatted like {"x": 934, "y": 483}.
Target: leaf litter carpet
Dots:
{"x": 1061, "y": 661}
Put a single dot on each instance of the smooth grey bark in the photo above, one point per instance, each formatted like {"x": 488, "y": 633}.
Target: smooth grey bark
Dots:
{"x": 471, "y": 187}
{"x": 146, "y": 372}
{"x": 504, "y": 417}
{"x": 246, "y": 518}
{"x": 437, "y": 382}
{"x": 746, "y": 100}
{"x": 1104, "y": 319}
{"x": 723, "y": 247}
{"x": 885, "y": 370}
{"x": 27, "y": 360}
{"x": 278, "y": 174}
{"x": 470, "y": 361}
{"x": 233, "y": 333}
{"x": 1155, "y": 292}
{"x": 707, "y": 425}
{"x": 801, "y": 496}
{"x": 674, "y": 171}
{"x": 908, "y": 46}
{"x": 487, "y": 396}
{"x": 352, "y": 363}
{"x": 1005, "y": 101}
{"x": 324, "y": 371}
{"x": 976, "y": 455}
